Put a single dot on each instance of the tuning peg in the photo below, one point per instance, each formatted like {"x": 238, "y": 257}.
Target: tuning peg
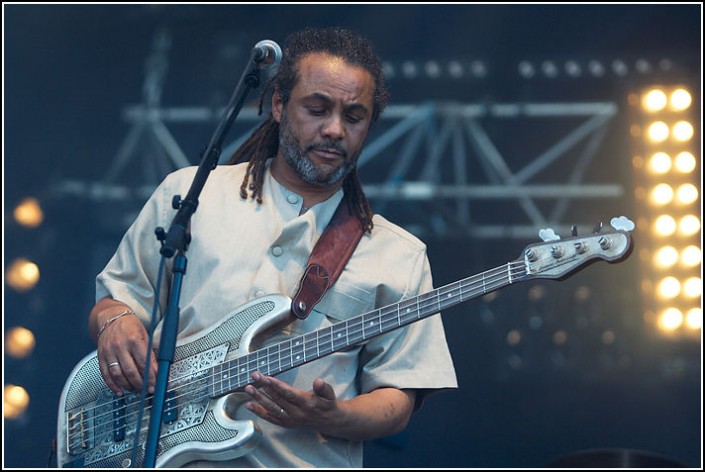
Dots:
{"x": 548, "y": 234}
{"x": 597, "y": 228}
{"x": 574, "y": 231}
{"x": 622, "y": 223}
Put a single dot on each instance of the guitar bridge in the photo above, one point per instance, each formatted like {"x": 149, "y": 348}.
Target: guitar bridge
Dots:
{"x": 78, "y": 432}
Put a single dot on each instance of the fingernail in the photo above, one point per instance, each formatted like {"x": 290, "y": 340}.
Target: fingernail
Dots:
{"x": 257, "y": 376}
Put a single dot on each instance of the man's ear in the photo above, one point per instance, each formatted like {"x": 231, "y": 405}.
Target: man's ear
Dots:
{"x": 277, "y": 105}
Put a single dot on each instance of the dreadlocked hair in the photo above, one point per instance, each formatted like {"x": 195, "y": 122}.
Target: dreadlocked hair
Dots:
{"x": 264, "y": 141}
{"x": 260, "y": 146}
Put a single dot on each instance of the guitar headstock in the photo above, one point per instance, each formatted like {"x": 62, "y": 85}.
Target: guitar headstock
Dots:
{"x": 557, "y": 258}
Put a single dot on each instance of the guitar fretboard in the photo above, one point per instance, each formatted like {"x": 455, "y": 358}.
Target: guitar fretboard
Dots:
{"x": 271, "y": 360}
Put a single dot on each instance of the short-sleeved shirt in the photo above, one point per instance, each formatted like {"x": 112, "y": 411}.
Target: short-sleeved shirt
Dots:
{"x": 242, "y": 250}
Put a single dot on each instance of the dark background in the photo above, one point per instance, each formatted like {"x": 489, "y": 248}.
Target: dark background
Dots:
{"x": 69, "y": 71}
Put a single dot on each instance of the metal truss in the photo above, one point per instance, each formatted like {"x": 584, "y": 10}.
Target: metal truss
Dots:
{"x": 437, "y": 168}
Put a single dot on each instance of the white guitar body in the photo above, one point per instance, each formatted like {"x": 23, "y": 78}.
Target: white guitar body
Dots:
{"x": 97, "y": 429}
{"x": 204, "y": 428}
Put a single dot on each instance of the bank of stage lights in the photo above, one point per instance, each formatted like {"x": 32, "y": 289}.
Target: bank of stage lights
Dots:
{"x": 667, "y": 175}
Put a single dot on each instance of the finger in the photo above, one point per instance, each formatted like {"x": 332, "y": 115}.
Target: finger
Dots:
{"x": 280, "y": 392}
{"x": 323, "y": 390}
{"x": 263, "y": 399}
{"x": 131, "y": 375}
{"x": 278, "y": 417}
{"x": 141, "y": 363}
{"x": 108, "y": 378}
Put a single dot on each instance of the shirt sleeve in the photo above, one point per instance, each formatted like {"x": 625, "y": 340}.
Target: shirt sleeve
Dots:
{"x": 415, "y": 356}
{"x": 131, "y": 274}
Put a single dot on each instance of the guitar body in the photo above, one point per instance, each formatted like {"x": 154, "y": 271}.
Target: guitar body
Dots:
{"x": 97, "y": 429}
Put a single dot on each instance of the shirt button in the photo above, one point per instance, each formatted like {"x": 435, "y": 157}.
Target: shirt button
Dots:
{"x": 293, "y": 199}
{"x": 277, "y": 251}
{"x": 259, "y": 293}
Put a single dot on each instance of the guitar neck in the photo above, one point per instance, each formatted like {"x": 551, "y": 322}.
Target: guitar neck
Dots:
{"x": 280, "y": 357}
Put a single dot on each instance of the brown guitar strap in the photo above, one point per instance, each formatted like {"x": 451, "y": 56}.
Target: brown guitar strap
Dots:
{"x": 327, "y": 260}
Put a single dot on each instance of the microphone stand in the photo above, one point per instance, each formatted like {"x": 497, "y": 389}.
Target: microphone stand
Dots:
{"x": 176, "y": 241}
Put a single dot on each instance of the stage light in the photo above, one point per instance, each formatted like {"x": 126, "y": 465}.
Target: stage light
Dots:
{"x": 573, "y": 69}
{"x": 657, "y": 132}
{"x": 15, "y": 401}
{"x": 643, "y": 66}
{"x": 689, "y": 225}
{"x": 549, "y": 69}
{"x": 682, "y": 131}
{"x": 536, "y": 293}
{"x": 680, "y": 99}
{"x": 455, "y": 69}
{"x": 409, "y": 70}
{"x": 22, "y": 275}
{"x": 665, "y": 225}
{"x": 513, "y": 337}
{"x": 620, "y": 68}
{"x": 666, "y": 257}
{"x": 596, "y": 68}
{"x": 693, "y": 287}
{"x": 388, "y": 70}
{"x": 526, "y": 69}
{"x": 478, "y": 69}
{"x": 28, "y": 213}
{"x": 667, "y": 192}
{"x": 662, "y": 194}
{"x": 660, "y": 163}
{"x": 560, "y": 337}
{"x": 670, "y": 319}
{"x": 654, "y": 101}
{"x": 668, "y": 288}
{"x": 694, "y": 318}
{"x": 691, "y": 256}
{"x": 432, "y": 69}
{"x": 687, "y": 194}
{"x": 19, "y": 342}
{"x": 685, "y": 162}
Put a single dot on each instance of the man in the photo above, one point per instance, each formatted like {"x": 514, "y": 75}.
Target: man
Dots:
{"x": 300, "y": 167}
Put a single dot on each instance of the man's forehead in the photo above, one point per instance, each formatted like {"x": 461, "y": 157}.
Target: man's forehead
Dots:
{"x": 321, "y": 74}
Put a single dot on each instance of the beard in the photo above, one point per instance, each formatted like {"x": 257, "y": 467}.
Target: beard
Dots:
{"x": 304, "y": 166}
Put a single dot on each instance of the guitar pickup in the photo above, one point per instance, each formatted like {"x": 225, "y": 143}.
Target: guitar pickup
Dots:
{"x": 119, "y": 423}
{"x": 171, "y": 411}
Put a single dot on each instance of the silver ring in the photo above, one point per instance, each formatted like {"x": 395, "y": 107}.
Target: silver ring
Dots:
{"x": 113, "y": 363}
{"x": 281, "y": 411}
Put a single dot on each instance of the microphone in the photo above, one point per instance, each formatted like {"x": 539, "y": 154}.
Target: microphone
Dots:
{"x": 268, "y": 53}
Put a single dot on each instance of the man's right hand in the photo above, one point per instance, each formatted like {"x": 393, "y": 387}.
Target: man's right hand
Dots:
{"x": 122, "y": 348}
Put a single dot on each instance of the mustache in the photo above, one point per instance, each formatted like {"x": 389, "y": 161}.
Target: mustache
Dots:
{"x": 328, "y": 144}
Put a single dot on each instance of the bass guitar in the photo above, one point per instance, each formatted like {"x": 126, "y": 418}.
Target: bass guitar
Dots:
{"x": 96, "y": 428}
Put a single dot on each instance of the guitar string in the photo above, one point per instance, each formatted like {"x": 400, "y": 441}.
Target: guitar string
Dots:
{"x": 431, "y": 303}
{"x": 487, "y": 280}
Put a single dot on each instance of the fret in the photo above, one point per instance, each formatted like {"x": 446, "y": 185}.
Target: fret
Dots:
{"x": 370, "y": 325}
{"x": 339, "y": 335}
{"x": 285, "y": 353}
{"x": 327, "y": 340}
{"x": 299, "y": 350}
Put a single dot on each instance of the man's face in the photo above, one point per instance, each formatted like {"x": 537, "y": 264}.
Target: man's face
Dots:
{"x": 324, "y": 125}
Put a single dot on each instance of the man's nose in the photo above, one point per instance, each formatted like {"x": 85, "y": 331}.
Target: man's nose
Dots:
{"x": 334, "y": 127}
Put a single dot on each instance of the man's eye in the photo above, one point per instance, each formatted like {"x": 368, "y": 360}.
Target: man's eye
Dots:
{"x": 353, "y": 118}
{"x": 316, "y": 111}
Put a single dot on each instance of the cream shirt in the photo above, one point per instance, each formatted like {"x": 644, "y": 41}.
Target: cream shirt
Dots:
{"x": 242, "y": 250}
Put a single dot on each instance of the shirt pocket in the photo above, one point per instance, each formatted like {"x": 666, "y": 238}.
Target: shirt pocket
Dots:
{"x": 339, "y": 304}
{"x": 345, "y": 301}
